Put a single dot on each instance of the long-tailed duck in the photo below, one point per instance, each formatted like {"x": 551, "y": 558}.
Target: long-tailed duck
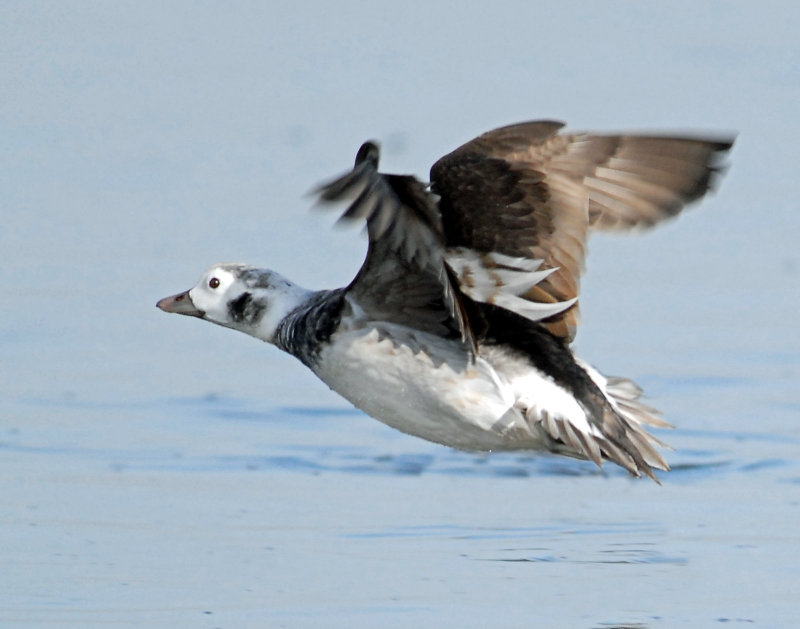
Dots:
{"x": 457, "y": 328}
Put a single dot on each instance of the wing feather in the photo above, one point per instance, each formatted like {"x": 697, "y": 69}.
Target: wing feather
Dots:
{"x": 404, "y": 278}
{"x": 527, "y": 191}
{"x": 522, "y": 192}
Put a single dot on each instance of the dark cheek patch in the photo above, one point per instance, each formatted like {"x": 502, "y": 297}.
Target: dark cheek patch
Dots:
{"x": 244, "y": 310}
{"x": 238, "y": 306}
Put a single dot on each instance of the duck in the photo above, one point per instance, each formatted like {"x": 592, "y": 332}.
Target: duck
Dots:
{"x": 458, "y": 327}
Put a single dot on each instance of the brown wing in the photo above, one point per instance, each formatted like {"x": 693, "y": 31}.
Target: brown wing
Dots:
{"x": 525, "y": 191}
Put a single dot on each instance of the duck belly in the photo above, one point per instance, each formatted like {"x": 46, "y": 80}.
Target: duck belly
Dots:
{"x": 426, "y": 386}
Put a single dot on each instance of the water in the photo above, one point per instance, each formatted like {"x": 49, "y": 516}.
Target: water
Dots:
{"x": 217, "y": 512}
{"x": 160, "y": 472}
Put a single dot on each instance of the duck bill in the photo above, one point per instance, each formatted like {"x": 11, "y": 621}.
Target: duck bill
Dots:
{"x": 180, "y": 304}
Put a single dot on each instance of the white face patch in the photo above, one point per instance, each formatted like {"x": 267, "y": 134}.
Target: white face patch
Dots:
{"x": 212, "y": 293}
{"x": 245, "y": 298}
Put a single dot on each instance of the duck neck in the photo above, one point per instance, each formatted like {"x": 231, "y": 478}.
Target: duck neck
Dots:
{"x": 308, "y": 327}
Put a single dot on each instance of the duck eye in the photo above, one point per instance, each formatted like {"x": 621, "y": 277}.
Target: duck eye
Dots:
{"x": 213, "y": 282}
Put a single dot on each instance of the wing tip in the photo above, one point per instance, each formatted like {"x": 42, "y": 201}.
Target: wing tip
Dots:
{"x": 369, "y": 152}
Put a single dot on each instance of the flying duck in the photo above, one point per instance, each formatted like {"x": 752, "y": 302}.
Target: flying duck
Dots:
{"x": 457, "y": 328}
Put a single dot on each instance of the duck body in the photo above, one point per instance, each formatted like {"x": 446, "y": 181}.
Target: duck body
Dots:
{"x": 533, "y": 395}
{"x": 457, "y": 328}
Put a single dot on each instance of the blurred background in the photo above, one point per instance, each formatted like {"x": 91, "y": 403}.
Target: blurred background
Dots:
{"x": 141, "y": 142}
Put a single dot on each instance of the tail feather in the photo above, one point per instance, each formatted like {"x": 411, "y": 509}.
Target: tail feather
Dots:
{"x": 621, "y": 435}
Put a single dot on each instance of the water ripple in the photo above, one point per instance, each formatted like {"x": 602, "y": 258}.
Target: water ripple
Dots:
{"x": 701, "y": 455}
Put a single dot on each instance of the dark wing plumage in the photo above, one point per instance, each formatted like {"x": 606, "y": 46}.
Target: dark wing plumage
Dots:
{"x": 526, "y": 192}
{"x": 508, "y": 220}
{"x": 404, "y": 278}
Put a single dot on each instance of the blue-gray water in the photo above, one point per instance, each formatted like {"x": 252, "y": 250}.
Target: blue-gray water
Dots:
{"x": 157, "y": 471}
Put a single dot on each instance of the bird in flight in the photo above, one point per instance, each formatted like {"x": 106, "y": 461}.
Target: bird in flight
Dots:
{"x": 457, "y": 328}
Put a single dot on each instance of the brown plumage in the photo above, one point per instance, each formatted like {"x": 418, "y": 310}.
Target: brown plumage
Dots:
{"x": 525, "y": 190}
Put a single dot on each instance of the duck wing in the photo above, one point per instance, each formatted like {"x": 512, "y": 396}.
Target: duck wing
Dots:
{"x": 404, "y": 278}
{"x": 517, "y": 204}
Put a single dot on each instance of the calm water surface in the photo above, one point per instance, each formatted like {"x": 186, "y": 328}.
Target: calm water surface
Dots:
{"x": 160, "y": 472}
{"x": 222, "y": 512}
